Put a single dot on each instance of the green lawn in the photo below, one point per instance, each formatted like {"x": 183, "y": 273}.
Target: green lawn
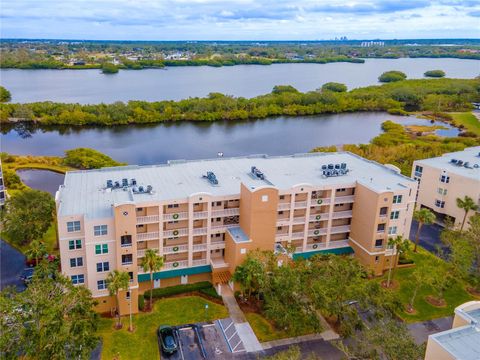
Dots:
{"x": 468, "y": 120}
{"x": 454, "y": 296}
{"x": 142, "y": 343}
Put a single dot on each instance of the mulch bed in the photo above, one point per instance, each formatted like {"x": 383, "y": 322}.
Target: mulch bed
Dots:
{"x": 410, "y": 310}
{"x": 432, "y": 300}
{"x": 473, "y": 292}
{"x": 394, "y": 284}
{"x": 250, "y": 305}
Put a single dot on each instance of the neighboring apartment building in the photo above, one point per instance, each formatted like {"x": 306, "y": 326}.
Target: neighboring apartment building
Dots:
{"x": 204, "y": 216}
{"x": 462, "y": 342}
{"x": 444, "y": 179}
{"x": 3, "y": 191}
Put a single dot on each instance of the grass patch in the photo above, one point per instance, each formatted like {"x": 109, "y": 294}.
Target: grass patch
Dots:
{"x": 142, "y": 343}
{"x": 468, "y": 120}
{"x": 454, "y": 296}
{"x": 424, "y": 128}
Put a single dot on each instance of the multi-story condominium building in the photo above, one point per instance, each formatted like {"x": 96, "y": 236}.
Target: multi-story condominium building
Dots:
{"x": 462, "y": 341}
{"x": 204, "y": 216}
{"x": 3, "y": 192}
{"x": 444, "y": 179}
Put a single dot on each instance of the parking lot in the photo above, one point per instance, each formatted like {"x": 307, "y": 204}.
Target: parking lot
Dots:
{"x": 200, "y": 341}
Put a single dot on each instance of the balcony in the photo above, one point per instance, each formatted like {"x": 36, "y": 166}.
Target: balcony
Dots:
{"x": 339, "y": 229}
{"x": 222, "y": 228}
{"x": 321, "y": 201}
{"x": 300, "y": 204}
{"x": 283, "y": 206}
{"x": 218, "y": 263}
{"x": 217, "y": 245}
{"x": 200, "y": 215}
{"x": 175, "y": 232}
{"x": 148, "y": 219}
{"x": 317, "y": 232}
{"x": 141, "y": 252}
{"x": 297, "y": 235}
{"x": 200, "y": 247}
{"x": 331, "y": 245}
{"x": 299, "y": 220}
{"x": 148, "y": 236}
{"x": 342, "y": 214}
{"x": 319, "y": 217}
{"x": 344, "y": 199}
{"x": 283, "y": 221}
{"x": 199, "y": 262}
{"x": 175, "y": 265}
{"x": 175, "y": 216}
{"x": 175, "y": 249}
{"x": 226, "y": 212}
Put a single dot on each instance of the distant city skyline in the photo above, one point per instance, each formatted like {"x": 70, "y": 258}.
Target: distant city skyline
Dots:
{"x": 239, "y": 19}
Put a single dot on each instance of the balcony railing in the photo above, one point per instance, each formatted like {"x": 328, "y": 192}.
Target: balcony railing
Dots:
{"x": 175, "y": 232}
{"x": 200, "y": 247}
{"x": 175, "y": 249}
{"x": 283, "y": 206}
{"x": 342, "y": 214}
{"x": 340, "y": 229}
{"x": 141, "y": 252}
{"x": 200, "y": 231}
{"x": 175, "y": 265}
{"x": 317, "y": 232}
{"x": 331, "y": 245}
{"x": 226, "y": 212}
{"x": 321, "y": 201}
{"x": 344, "y": 199}
{"x": 300, "y": 204}
{"x": 223, "y": 228}
{"x": 200, "y": 214}
{"x": 299, "y": 220}
{"x": 216, "y": 245}
{"x": 319, "y": 217}
{"x": 175, "y": 216}
{"x": 148, "y": 236}
{"x": 147, "y": 219}
{"x": 297, "y": 235}
{"x": 199, "y": 262}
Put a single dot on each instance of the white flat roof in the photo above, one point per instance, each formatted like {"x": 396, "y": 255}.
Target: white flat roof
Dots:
{"x": 84, "y": 192}
{"x": 444, "y": 162}
{"x": 462, "y": 342}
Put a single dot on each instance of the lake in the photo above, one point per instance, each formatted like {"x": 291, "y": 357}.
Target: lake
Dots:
{"x": 153, "y": 144}
{"x": 174, "y": 83}
{"x": 41, "y": 179}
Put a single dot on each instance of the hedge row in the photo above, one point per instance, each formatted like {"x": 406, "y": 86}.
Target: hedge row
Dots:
{"x": 180, "y": 289}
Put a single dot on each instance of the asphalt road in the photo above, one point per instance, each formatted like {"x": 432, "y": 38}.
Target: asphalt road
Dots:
{"x": 12, "y": 263}
{"x": 429, "y": 236}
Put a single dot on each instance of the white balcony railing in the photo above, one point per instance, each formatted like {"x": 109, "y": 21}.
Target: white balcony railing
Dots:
{"x": 299, "y": 220}
{"x": 200, "y": 214}
{"x": 141, "y": 252}
{"x": 200, "y": 231}
{"x": 175, "y": 249}
{"x": 317, "y": 232}
{"x": 340, "y": 229}
{"x": 321, "y": 201}
{"x": 175, "y": 232}
{"x": 148, "y": 236}
{"x": 223, "y": 228}
{"x": 175, "y": 216}
{"x": 199, "y": 262}
{"x": 200, "y": 247}
{"x": 300, "y": 204}
{"x": 319, "y": 217}
{"x": 217, "y": 245}
{"x": 342, "y": 214}
{"x": 175, "y": 265}
{"x": 226, "y": 212}
{"x": 147, "y": 219}
{"x": 344, "y": 199}
{"x": 297, "y": 235}
{"x": 283, "y": 206}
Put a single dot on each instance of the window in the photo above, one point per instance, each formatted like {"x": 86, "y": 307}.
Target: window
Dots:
{"x": 376, "y": 259}
{"x": 99, "y": 230}
{"x": 139, "y": 209}
{"x": 219, "y": 203}
{"x": 76, "y": 262}
{"x": 381, "y": 227}
{"x": 280, "y": 213}
{"x": 341, "y": 190}
{"x": 282, "y": 197}
{"x": 392, "y": 230}
{"x": 418, "y": 170}
{"x": 78, "y": 279}
{"x": 279, "y": 228}
{"x": 74, "y": 244}
{"x": 397, "y": 199}
{"x": 378, "y": 243}
{"x": 173, "y": 222}
{"x": 127, "y": 259}
{"x": 440, "y": 203}
{"x": 127, "y": 295}
{"x": 101, "y": 249}
{"x": 171, "y": 206}
{"x": 103, "y": 266}
{"x": 383, "y": 211}
{"x": 339, "y": 205}
{"x": 445, "y": 179}
{"x": 442, "y": 191}
{"x": 101, "y": 284}
{"x": 130, "y": 275}
{"x": 73, "y": 226}
{"x": 395, "y": 215}
{"x": 264, "y": 198}
{"x": 126, "y": 240}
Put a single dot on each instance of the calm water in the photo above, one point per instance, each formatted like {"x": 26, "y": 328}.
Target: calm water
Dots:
{"x": 187, "y": 140}
{"x": 90, "y": 86}
{"x": 41, "y": 179}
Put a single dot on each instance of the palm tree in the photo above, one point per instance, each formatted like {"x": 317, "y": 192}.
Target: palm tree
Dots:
{"x": 401, "y": 246}
{"x": 466, "y": 204}
{"x": 424, "y": 217}
{"x": 117, "y": 281}
{"x": 36, "y": 250}
{"x": 152, "y": 263}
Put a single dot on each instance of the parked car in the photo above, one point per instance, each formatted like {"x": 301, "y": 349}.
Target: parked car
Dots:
{"x": 167, "y": 338}
{"x": 27, "y": 275}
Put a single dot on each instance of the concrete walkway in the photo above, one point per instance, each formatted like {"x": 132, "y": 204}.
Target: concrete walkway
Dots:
{"x": 244, "y": 330}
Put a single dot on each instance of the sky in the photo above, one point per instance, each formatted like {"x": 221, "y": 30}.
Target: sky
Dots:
{"x": 239, "y": 19}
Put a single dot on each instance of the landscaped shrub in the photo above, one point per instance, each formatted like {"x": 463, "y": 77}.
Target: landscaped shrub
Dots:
{"x": 405, "y": 261}
{"x": 141, "y": 302}
{"x": 85, "y": 158}
{"x": 179, "y": 289}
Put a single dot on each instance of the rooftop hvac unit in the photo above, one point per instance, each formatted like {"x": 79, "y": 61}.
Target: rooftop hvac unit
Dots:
{"x": 453, "y": 161}
{"x": 141, "y": 189}
{"x": 257, "y": 173}
{"x": 124, "y": 182}
{"x": 109, "y": 184}
{"x": 211, "y": 178}
{"x": 337, "y": 166}
{"x": 343, "y": 166}
{"x": 117, "y": 184}
{"x": 149, "y": 189}
{"x": 330, "y": 166}
{"x": 324, "y": 167}
{"x": 133, "y": 182}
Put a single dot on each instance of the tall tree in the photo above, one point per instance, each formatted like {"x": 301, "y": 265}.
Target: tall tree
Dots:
{"x": 37, "y": 250}
{"x": 116, "y": 282}
{"x": 28, "y": 215}
{"x": 152, "y": 263}
{"x": 52, "y": 319}
{"x": 466, "y": 204}
{"x": 250, "y": 275}
{"x": 400, "y": 245}
{"x": 424, "y": 217}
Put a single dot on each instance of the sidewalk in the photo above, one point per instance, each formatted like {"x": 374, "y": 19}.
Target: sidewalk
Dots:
{"x": 421, "y": 330}
{"x": 244, "y": 330}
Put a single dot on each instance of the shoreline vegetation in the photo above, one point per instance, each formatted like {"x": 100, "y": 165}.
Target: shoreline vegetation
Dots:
{"x": 398, "y": 98}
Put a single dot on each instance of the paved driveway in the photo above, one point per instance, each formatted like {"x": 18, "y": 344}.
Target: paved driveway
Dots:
{"x": 12, "y": 263}
{"x": 429, "y": 236}
{"x": 421, "y": 330}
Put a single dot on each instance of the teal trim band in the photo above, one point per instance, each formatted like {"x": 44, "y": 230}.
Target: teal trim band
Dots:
{"x": 338, "y": 251}
{"x": 176, "y": 272}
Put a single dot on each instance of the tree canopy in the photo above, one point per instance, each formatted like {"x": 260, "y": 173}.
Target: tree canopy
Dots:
{"x": 5, "y": 95}
{"x": 434, "y": 73}
{"x": 85, "y": 158}
{"x": 334, "y": 86}
{"x": 392, "y": 76}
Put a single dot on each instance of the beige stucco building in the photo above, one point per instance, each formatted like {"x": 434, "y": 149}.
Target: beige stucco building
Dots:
{"x": 444, "y": 179}
{"x": 204, "y": 216}
{"x": 462, "y": 342}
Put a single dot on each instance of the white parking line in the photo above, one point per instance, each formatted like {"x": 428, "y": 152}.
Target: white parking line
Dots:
{"x": 239, "y": 342}
{"x": 180, "y": 346}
